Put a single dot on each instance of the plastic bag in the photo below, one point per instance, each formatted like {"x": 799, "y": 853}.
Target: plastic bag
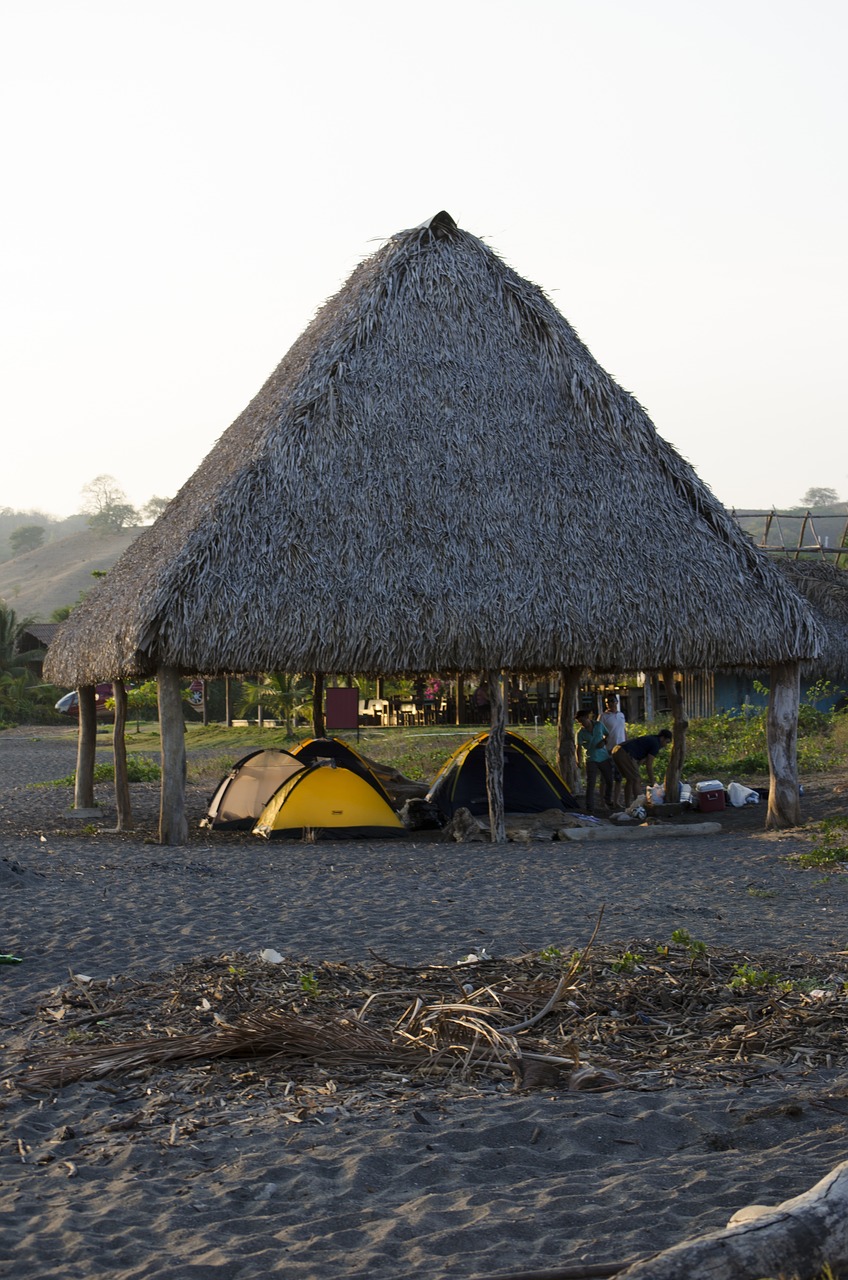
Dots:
{"x": 738, "y": 795}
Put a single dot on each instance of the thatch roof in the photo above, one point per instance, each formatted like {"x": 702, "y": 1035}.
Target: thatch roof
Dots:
{"x": 438, "y": 476}
{"x": 826, "y": 589}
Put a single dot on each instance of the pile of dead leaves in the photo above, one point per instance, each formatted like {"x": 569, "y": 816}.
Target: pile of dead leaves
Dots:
{"x": 646, "y": 1018}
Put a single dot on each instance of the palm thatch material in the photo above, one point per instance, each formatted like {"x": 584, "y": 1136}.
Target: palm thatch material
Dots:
{"x": 826, "y": 589}
{"x": 438, "y": 476}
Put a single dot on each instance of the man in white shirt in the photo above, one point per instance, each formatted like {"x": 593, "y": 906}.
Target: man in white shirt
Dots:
{"x": 616, "y": 726}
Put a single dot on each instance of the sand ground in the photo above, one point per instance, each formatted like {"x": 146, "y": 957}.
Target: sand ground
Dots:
{"x": 115, "y": 1177}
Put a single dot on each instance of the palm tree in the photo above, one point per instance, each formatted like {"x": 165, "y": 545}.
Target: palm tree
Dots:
{"x": 282, "y": 695}
{"x": 11, "y": 630}
{"x": 23, "y": 698}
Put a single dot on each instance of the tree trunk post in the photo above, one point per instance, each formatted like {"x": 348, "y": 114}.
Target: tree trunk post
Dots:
{"x": 173, "y": 825}
{"x": 460, "y": 698}
{"x": 679, "y": 725}
{"x": 228, "y": 711}
{"x": 495, "y": 757}
{"x": 319, "y": 726}
{"x": 86, "y": 747}
{"x": 569, "y": 690}
{"x": 784, "y": 804}
{"x": 119, "y": 754}
{"x": 649, "y": 696}
{"x": 205, "y": 702}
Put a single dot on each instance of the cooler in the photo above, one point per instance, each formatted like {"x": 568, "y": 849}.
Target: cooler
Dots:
{"x": 710, "y": 796}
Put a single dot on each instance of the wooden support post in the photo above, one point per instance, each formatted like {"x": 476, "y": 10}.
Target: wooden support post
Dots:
{"x": 784, "y": 804}
{"x": 173, "y": 825}
{"x": 319, "y": 727}
{"x": 205, "y": 703}
{"x": 569, "y": 690}
{"x": 119, "y": 755}
{"x": 228, "y": 711}
{"x": 495, "y": 757}
{"x": 86, "y": 748}
{"x": 679, "y": 725}
{"x": 650, "y": 701}
{"x": 460, "y": 698}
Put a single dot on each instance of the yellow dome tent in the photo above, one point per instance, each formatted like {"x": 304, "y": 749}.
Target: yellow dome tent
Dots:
{"x": 326, "y": 796}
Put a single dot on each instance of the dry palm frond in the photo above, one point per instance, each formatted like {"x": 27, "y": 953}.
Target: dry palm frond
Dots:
{"x": 267, "y": 1033}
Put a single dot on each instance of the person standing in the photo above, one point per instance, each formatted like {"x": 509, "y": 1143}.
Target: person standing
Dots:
{"x": 591, "y": 741}
{"x": 612, "y": 718}
{"x": 628, "y": 756}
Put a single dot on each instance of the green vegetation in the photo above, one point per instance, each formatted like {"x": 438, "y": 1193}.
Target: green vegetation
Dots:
{"x": 309, "y": 984}
{"x": 831, "y": 848}
{"x": 724, "y": 746}
{"x": 28, "y": 537}
{"x": 106, "y": 506}
{"x": 734, "y": 745}
{"x": 747, "y": 978}
{"x": 683, "y": 938}
{"x": 281, "y": 696}
{"x": 139, "y": 769}
{"x": 24, "y": 699}
{"x": 626, "y": 962}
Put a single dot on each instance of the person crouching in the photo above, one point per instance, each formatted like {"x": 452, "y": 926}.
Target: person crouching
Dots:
{"x": 628, "y": 756}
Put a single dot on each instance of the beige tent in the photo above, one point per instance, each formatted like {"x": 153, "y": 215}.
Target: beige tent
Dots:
{"x": 438, "y": 476}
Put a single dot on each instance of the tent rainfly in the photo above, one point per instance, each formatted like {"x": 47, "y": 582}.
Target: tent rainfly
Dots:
{"x": 439, "y": 476}
{"x": 243, "y": 793}
{"x": 530, "y": 784}
{"x": 326, "y": 796}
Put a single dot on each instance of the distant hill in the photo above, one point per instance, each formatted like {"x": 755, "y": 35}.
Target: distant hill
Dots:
{"x": 55, "y": 527}
{"x": 37, "y": 582}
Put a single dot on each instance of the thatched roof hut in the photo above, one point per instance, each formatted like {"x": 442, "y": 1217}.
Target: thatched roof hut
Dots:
{"x": 438, "y": 476}
{"x": 825, "y": 587}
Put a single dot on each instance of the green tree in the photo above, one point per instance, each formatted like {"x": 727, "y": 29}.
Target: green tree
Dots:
{"x": 153, "y": 509}
{"x": 23, "y": 700}
{"x": 820, "y": 497}
{"x": 281, "y": 695}
{"x": 106, "y": 506}
{"x": 29, "y": 537}
{"x": 22, "y": 697}
{"x": 11, "y": 630}
{"x": 143, "y": 701}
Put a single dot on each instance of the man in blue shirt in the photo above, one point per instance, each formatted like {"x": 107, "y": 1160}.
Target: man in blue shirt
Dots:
{"x": 628, "y": 755}
{"x": 591, "y": 739}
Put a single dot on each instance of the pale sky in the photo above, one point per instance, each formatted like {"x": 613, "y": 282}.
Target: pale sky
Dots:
{"x": 186, "y": 181}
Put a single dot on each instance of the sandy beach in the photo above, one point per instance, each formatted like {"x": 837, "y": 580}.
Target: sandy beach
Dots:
{"x": 253, "y": 1169}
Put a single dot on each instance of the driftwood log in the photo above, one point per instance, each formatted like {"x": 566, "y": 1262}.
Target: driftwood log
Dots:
{"x": 681, "y": 831}
{"x": 797, "y": 1238}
